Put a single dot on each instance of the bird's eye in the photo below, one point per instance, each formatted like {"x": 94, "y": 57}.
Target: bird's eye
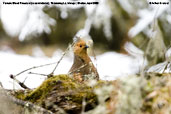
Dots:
{"x": 80, "y": 45}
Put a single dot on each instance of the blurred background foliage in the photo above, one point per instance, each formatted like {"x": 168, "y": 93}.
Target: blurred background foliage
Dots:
{"x": 124, "y": 21}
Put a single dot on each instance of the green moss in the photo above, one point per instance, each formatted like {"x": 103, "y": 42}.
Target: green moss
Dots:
{"x": 20, "y": 94}
{"x": 63, "y": 91}
{"x": 63, "y": 82}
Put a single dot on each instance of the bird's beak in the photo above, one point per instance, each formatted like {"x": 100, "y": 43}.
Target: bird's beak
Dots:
{"x": 86, "y": 46}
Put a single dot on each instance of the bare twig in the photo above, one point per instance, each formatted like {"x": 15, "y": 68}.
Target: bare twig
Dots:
{"x": 25, "y": 80}
{"x": 38, "y": 74}
{"x": 166, "y": 66}
{"x": 20, "y": 83}
{"x": 51, "y": 74}
{"x": 34, "y": 68}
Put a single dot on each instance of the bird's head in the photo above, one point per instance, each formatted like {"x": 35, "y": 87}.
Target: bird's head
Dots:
{"x": 80, "y": 48}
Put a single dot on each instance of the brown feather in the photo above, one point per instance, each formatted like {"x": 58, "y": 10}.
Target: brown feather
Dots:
{"x": 82, "y": 68}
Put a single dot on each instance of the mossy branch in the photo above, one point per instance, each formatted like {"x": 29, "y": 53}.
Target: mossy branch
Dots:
{"x": 25, "y": 104}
